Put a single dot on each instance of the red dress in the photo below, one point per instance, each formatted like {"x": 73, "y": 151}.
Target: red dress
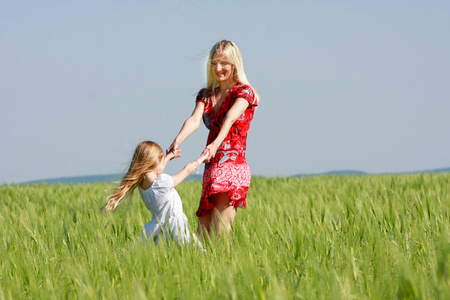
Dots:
{"x": 228, "y": 172}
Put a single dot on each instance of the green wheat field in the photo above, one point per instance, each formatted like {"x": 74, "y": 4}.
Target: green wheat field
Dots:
{"x": 324, "y": 237}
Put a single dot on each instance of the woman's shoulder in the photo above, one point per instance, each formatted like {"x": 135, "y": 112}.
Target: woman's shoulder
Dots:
{"x": 206, "y": 93}
{"x": 244, "y": 91}
{"x": 203, "y": 94}
{"x": 242, "y": 88}
{"x": 202, "y": 91}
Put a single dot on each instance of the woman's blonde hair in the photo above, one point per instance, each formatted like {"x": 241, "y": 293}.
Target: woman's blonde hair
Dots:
{"x": 234, "y": 56}
{"x": 147, "y": 157}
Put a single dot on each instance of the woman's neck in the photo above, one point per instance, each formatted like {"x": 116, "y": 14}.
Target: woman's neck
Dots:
{"x": 225, "y": 86}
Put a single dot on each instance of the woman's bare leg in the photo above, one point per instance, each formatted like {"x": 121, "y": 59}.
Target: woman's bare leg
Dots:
{"x": 204, "y": 225}
{"x": 223, "y": 215}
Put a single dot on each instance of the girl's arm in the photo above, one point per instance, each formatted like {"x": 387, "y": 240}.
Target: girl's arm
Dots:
{"x": 169, "y": 157}
{"x": 238, "y": 108}
{"x": 188, "y": 169}
{"x": 150, "y": 177}
{"x": 190, "y": 125}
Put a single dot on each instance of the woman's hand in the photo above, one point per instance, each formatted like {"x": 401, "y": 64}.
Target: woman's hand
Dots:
{"x": 210, "y": 152}
{"x": 175, "y": 153}
{"x": 174, "y": 147}
{"x": 202, "y": 158}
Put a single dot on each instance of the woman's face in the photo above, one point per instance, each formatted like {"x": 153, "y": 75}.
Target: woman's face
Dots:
{"x": 222, "y": 67}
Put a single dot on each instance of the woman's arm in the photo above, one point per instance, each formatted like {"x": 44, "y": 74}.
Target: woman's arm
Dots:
{"x": 188, "y": 169}
{"x": 238, "y": 108}
{"x": 190, "y": 125}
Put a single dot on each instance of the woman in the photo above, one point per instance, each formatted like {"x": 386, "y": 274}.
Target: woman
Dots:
{"x": 227, "y": 105}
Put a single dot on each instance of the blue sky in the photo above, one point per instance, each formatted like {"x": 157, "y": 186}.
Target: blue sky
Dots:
{"x": 361, "y": 85}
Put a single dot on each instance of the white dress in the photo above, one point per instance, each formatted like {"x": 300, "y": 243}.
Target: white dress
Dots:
{"x": 168, "y": 218}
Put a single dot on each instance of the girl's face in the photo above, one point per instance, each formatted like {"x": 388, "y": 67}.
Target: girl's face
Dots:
{"x": 222, "y": 67}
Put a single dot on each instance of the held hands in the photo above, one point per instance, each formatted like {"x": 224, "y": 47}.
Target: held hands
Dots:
{"x": 199, "y": 161}
{"x": 173, "y": 154}
{"x": 210, "y": 152}
{"x": 174, "y": 148}
{"x": 176, "y": 153}
{"x": 202, "y": 158}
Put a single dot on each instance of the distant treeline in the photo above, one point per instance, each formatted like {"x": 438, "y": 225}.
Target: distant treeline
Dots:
{"x": 359, "y": 173}
{"x": 117, "y": 177}
{"x": 109, "y": 178}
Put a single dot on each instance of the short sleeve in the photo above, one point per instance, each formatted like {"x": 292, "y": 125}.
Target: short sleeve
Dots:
{"x": 201, "y": 96}
{"x": 163, "y": 181}
{"x": 246, "y": 92}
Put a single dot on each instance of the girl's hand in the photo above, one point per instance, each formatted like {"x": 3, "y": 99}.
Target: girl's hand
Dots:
{"x": 175, "y": 154}
{"x": 202, "y": 158}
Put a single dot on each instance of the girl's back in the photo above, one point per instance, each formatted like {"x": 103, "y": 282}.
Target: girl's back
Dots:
{"x": 166, "y": 207}
{"x": 161, "y": 199}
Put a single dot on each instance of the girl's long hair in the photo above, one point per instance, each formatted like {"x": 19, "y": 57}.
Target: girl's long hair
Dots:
{"x": 147, "y": 157}
{"x": 234, "y": 56}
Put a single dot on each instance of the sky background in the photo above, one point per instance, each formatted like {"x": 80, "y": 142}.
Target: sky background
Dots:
{"x": 344, "y": 85}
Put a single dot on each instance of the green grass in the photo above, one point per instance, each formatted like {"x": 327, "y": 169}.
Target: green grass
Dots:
{"x": 326, "y": 237}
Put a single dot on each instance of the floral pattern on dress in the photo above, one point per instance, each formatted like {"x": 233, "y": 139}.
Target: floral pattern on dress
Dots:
{"x": 228, "y": 172}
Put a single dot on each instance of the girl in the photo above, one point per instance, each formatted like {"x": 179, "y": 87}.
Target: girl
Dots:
{"x": 157, "y": 191}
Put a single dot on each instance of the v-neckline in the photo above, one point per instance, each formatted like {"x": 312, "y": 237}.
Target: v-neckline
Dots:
{"x": 216, "y": 106}
{"x": 216, "y": 91}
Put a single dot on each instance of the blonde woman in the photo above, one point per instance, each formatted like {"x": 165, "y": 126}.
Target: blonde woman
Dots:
{"x": 158, "y": 192}
{"x": 226, "y": 105}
